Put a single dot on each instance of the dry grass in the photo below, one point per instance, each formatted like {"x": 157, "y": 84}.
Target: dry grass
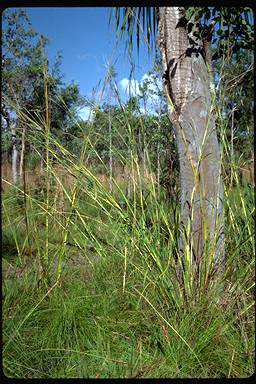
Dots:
{"x": 247, "y": 172}
{"x": 122, "y": 175}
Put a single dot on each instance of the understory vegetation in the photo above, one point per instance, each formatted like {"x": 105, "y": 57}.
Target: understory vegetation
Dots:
{"x": 90, "y": 248}
{"x": 90, "y": 288}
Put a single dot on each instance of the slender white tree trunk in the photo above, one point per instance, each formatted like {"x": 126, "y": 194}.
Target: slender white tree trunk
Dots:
{"x": 11, "y": 125}
{"x": 14, "y": 153}
{"x": 22, "y": 152}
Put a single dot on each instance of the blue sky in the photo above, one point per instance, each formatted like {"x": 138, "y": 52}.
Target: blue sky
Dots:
{"x": 87, "y": 43}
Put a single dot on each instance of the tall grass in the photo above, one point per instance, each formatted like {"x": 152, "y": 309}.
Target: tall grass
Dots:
{"x": 110, "y": 303}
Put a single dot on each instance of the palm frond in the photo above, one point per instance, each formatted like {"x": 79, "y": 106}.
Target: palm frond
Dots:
{"x": 139, "y": 21}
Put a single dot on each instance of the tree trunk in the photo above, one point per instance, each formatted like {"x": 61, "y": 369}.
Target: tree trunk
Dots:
{"x": 187, "y": 82}
{"x": 12, "y": 126}
{"x": 14, "y": 153}
{"x": 22, "y": 152}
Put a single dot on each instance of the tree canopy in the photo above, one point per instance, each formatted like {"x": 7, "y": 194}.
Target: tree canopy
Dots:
{"x": 220, "y": 25}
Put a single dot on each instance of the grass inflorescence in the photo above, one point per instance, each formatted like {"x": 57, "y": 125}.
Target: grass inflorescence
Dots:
{"x": 90, "y": 286}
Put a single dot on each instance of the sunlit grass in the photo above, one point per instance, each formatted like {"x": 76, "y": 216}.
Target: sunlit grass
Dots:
{"x": 110, "y": 304}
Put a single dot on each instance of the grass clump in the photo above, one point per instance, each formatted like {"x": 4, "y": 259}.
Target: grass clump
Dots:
{"x": 90, "y": 288}
{"x": 117, "y": 310}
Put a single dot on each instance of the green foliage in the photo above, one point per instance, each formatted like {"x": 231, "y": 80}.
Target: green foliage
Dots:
{"x": 143, "y": 19}
{"x": 118, "y": 311}
{"x": 6, "y": 142}
{"x": 235, "y": 110}
{"x": 221, "y": 25}
{"x": 113, "y": 306}
{"x": 22, "y": 56}
{"x": 238, "y": 86}
{"x": 229, "y": 28}
{"x": 24, "y": 77}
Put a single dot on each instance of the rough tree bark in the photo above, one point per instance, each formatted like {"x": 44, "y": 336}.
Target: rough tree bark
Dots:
{"x": 187, "y": 81}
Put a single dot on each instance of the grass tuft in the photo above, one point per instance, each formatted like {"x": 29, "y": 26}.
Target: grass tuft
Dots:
{"x": 90, "y": 288}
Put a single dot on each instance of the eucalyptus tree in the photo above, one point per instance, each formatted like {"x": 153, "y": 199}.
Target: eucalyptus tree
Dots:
{"x": 21, "y": 65}
{"x": 238, "y": 105}
{"x": 23, "y": 90}
{"x": 184, "y": 39}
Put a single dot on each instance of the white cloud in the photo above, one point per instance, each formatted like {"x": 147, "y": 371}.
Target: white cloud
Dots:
{"x": 154, "y": 86}
{"x": 142, "y": 110}
{"x": 82, "y": 56}
{"x": 130, "y": 86}
{"x": 89, "y": 57}
{"x": 124, "y": 84}
{"x": 86, "y": 56}
{"x": 85, "y": 113}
